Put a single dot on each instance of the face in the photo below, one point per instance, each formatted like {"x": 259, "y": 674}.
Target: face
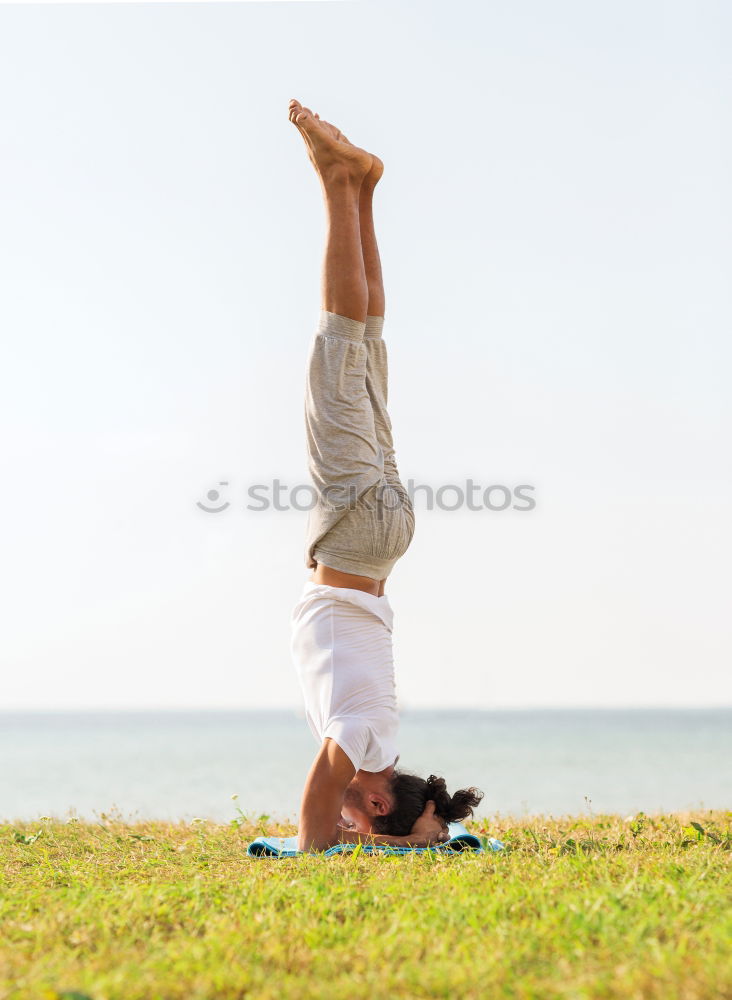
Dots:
{"x": 366, "y": 797}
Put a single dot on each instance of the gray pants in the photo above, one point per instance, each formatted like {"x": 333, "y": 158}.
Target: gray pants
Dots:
{"x": 363, "y": 519}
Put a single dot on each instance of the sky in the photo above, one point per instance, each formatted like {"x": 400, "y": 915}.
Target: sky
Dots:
{"x": 554, "y": 223}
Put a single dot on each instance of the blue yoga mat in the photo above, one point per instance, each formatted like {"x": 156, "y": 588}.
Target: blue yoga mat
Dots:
{"x": 460, "y": 840}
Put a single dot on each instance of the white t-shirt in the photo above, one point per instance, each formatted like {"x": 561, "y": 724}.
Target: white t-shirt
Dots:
{"x": 342, "y": 650}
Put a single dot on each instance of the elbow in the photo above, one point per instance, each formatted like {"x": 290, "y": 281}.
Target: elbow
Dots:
{"x": 314, "y": 844}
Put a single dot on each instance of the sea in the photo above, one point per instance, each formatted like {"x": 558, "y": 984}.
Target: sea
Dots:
{"x": 218, "y": 765}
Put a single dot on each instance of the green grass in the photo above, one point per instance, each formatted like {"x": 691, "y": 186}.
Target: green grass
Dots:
{"x": 575, "y": 908}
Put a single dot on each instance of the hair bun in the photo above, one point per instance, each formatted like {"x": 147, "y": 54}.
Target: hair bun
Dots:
{"x": 452, "y": 808}
{"x": 436, "y": 786}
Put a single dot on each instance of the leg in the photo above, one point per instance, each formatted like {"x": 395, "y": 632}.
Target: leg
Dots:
{"x": 348, "y": 430}
{"x": 376, "y": 356}
{"x": 344, "y": 290}
{"x": 376, "y": 363}
{"x": 369, "y": 246}
{"x": 341, "y": 168}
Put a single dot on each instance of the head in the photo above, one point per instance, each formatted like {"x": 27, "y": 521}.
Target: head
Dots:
{"x": 391, "y": 801}
{"x": 367, "y": 798}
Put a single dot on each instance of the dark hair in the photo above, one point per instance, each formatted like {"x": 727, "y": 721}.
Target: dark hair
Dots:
{"x": 411, "y": 794}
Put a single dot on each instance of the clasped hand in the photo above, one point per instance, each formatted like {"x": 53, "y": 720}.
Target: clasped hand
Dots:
{"x": 429, "y": 826}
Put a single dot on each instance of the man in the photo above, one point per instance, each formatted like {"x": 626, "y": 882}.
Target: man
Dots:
{"x": 361, "y": 525}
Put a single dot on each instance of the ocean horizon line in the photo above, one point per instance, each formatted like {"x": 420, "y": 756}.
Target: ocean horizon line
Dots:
{"x": 403, "y": 710}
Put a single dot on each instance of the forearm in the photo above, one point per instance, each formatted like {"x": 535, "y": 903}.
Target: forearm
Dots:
{"x": 323, "y": 797}
{"x": 381, "y": 839}
{"x": 342, "y": 835}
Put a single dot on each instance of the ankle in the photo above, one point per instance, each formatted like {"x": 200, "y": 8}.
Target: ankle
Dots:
{"x": 368, "y": 186}
{"x": 340, "y": 176}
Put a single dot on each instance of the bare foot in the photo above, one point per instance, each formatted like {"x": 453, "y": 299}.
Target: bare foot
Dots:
{"x": 373, "y": 177}
{"x": 329, "y": 150}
